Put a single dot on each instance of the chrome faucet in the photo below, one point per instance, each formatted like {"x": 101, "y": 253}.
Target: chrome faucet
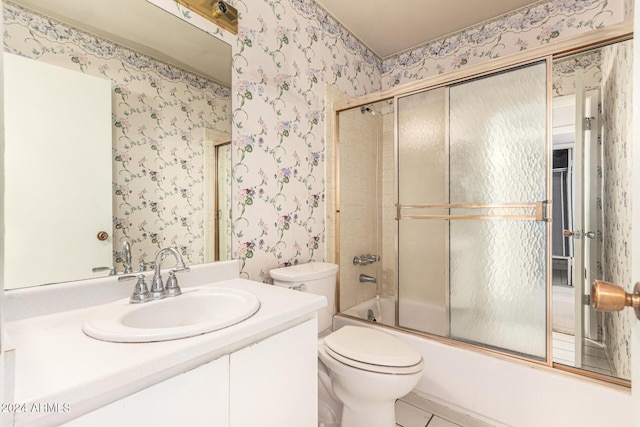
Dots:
{"x": 125, "y": 253}
{"x": 158, "y": 290}
{"x": 367, "y": 278}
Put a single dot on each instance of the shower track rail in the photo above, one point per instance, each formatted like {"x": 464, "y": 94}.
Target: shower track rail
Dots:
{"x": 540, "y": 211}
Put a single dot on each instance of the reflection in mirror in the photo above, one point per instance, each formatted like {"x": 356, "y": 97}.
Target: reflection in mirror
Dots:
{"x": 591, "y": 212}
{"x": 160, "y": 111}
{"x": 217, "y": 183}
{"x": 41, "y": 175}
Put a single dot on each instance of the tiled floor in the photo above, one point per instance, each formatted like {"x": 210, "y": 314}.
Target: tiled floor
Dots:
{"x": 593, "y": 355}
{"x": 414, "y": 411}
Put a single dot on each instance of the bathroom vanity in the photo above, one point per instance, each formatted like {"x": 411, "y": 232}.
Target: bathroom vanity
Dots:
{"x": 261, "y": 371}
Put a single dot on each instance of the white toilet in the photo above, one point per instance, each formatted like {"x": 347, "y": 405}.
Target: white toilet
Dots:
{"x": 361, "y": 371}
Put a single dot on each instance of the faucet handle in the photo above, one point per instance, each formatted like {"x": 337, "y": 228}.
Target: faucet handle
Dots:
{"x": 112, "y": 270}
{"x": 172, "y": 289}
{"x": 140, "y": 291}
{"x": 157, "y": 287}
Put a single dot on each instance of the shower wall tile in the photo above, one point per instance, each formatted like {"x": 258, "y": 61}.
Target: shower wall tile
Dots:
{"x": 358, "y": 203}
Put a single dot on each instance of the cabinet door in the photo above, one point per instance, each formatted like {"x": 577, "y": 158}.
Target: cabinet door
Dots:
{"x": 196, "y": 398}
{"x": 275, "y": 382}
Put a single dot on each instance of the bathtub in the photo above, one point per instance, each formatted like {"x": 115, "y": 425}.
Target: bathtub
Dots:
{"x": 386, "y": 315}
{"x": 413, "y": 315}
{"x": 500, "y": 392}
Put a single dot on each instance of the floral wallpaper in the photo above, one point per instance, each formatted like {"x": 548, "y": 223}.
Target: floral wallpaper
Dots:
{"x": 617, "y": 76}
{"x": 564, "y": 72}
{"x": 159, "y": 116}
{"x": 538, "y": 24}
{"x": 285, "y": 52}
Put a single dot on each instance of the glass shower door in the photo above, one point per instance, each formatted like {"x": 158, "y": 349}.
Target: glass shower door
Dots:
{"x": 491, "y": 208}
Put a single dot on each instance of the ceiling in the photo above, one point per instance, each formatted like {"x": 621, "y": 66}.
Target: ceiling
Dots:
{"x": 388, "y": 28}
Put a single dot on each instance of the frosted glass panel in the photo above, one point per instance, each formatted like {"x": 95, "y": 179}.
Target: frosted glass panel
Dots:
{"x": 423, "y": 275}
{"x": 422, "y": 247}
{"x": 497, "y": 132}
{"x": 498, "y": 277}
{"x": 422, "y": 147}
{"x": 479, "y": 280}
{"x": 497, "y": 155}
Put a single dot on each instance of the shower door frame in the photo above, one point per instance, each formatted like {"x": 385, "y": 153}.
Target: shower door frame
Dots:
{"x": 594, "y": 39}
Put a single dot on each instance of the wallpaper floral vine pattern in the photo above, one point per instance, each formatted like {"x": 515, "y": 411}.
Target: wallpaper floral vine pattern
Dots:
{"x": 617, "y": 70}
{"x": 159, "y": 116}
{"x": 285, "y": 52}
{"x": 536, "y": 25}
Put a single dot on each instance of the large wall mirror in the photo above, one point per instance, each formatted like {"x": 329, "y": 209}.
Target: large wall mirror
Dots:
{"x": 168, "y": 106}
{"x": 463, "y": 253}
{"x": 592, "y": 111}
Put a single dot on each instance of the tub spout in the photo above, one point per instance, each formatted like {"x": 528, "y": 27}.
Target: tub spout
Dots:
{"x": 367, "y": 278}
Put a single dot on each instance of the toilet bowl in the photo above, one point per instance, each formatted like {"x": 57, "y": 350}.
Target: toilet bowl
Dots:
{"x": 369, "y": 370}
{"x": 361, "y": 371}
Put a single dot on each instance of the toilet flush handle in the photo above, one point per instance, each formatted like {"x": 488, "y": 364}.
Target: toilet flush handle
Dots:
{"x": 301, "y": 287}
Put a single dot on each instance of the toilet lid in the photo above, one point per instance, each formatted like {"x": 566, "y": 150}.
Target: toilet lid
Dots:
{"x": 372, "y": 347}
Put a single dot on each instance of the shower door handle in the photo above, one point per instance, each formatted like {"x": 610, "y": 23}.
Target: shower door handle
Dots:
{"x": 607, "y": 296}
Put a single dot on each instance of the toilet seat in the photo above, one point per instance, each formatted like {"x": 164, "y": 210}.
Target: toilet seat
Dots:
{"x": 372, "y": 350}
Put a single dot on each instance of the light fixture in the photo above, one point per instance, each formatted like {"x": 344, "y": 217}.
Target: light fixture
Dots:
{"x": 220, "y": 13}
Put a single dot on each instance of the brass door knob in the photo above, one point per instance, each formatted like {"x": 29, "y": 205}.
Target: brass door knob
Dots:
{"x": 607, "y": 296}
{"x": 102, "y": 236}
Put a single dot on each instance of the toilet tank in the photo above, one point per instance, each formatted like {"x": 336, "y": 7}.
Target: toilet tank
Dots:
{"x": 318, "y": 278}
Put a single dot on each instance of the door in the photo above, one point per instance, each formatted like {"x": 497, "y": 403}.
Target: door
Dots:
{"x": 57, "y": 122}
{"x": 472, "y": 225}
{"x": 585, "y": 210}
{"x": 635, "y": 233}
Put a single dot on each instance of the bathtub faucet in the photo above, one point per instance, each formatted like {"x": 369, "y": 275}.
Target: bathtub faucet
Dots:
{"x": 366, "y": 278}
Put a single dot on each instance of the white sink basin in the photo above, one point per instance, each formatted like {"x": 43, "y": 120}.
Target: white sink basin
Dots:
{"x": 197, "y": 311}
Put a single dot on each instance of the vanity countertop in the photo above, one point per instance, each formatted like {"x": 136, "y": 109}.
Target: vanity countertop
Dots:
{"x": 56, "y": 363}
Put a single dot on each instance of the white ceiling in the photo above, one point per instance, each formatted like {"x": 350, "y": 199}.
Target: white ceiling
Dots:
{"x": 388, "y": 27}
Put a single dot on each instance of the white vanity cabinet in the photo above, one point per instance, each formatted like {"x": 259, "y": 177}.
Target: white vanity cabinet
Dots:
{"x": 274, "y": 382}
{"x": 199, "y": 397}
{"x": 270, "y": 383}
